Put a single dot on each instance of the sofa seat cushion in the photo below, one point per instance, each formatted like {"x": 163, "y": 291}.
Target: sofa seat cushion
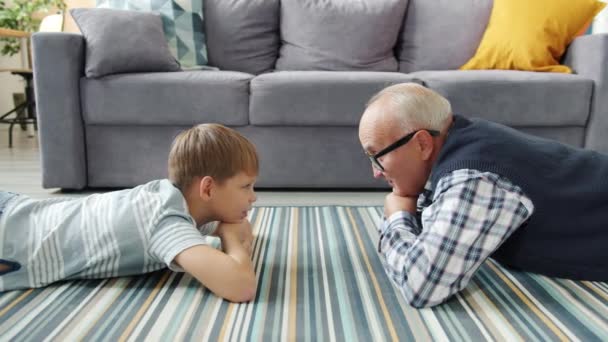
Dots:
{"x": 515, "y": 98}
{"x": 312, "y": 98}
{"x": 175, "y": 98}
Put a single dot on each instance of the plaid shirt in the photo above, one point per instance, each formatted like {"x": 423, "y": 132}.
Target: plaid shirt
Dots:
{"x": 433, "y": 255}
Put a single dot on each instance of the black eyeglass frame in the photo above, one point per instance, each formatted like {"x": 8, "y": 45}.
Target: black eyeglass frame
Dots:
{"x": 374, "y": 157}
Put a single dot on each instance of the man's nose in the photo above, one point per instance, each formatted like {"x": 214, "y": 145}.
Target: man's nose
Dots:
{"x": 377, "y": 173}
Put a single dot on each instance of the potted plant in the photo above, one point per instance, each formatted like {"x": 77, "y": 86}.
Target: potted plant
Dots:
{"x": 19, "y": 15}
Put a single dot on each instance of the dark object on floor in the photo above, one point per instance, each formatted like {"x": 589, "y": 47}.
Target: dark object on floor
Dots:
{"x": 24, "y": 113}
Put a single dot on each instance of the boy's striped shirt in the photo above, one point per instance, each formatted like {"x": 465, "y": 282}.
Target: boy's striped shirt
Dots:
{"x": 113, "y": 234}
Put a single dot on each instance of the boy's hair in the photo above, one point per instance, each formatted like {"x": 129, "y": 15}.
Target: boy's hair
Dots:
{"x": 210, "y": 150}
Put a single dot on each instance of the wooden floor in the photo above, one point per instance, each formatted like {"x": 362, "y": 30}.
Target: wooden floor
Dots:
{"x": 20, "y": 172}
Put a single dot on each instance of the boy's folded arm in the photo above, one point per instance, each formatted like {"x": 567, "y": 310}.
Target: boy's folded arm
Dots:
{"x": 229, "y": 275}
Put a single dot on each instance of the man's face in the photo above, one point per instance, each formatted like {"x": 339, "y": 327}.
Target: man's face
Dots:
{"x": 403, "y": 167}
{"x": 233, "y": 198}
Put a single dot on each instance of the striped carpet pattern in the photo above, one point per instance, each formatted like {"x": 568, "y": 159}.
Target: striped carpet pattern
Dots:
{"x": 319, "y": 278}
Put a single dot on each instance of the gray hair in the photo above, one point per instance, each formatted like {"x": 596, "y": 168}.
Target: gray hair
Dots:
{"x": 415, "y": 107}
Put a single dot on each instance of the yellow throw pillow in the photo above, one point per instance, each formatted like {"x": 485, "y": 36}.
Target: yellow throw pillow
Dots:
{"x": 531, "y": 35}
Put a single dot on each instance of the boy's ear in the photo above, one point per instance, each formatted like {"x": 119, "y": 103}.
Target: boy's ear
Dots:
{"x": 205, "y": 187}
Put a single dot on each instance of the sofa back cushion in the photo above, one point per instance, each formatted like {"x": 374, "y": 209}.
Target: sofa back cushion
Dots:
{"x": 242, "y": 35}
{"x": 340, "y": 35}
{"x": 441, "y": 34}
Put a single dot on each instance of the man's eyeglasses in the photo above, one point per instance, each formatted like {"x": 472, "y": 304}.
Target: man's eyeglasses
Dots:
{"x": 373, "y": 158}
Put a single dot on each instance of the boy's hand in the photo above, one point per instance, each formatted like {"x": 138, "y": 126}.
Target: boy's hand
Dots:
{"x": 394, "y": 203}
{"x": 228, "y": 273}
{"x": 243, "y": 232}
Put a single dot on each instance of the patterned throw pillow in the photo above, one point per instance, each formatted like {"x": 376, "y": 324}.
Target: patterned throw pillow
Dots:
{"x": 182, "y": 23}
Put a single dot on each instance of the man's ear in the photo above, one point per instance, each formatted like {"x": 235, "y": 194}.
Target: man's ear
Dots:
{"x": 424, "y": 144}
{"x": 205, "y": 187}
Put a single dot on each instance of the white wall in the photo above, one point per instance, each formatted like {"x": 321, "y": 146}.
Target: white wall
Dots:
{"x": 600, "y": 23}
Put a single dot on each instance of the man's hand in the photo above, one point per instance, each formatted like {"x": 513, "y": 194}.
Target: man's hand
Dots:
{"x": 394, "y": 203}
{"x": 243, "y": 231}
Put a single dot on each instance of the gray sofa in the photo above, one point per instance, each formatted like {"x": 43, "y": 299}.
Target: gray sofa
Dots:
{"x": 296, "y": 82}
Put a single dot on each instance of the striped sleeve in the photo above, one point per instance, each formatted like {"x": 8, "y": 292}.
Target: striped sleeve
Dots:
{"x": 172, "y": 236}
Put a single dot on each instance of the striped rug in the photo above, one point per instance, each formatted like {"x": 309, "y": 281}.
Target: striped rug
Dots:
{"x": 319, "y": 278}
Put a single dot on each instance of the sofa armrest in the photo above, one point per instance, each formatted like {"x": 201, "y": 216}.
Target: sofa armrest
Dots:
{"x": 587, "y": 56}
{"x": 58, "y": 60}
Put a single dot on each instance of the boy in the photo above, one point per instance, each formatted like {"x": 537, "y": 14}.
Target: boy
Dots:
{"x": 212, "y": 170}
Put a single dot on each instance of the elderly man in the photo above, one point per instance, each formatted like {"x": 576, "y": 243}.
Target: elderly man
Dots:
{"x": 467, "y": 189}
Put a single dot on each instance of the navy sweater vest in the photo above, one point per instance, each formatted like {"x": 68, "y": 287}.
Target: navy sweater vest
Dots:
{"x": 567, "y": 235}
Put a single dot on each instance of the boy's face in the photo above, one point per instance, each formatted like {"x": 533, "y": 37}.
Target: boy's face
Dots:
{"x": 233, "y": 198}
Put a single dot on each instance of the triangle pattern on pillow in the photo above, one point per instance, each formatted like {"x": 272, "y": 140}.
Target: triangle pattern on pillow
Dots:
{"x": 182, "y": 24}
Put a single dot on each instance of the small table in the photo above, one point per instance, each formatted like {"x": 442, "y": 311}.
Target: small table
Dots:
{"x": 28, "y": 105}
